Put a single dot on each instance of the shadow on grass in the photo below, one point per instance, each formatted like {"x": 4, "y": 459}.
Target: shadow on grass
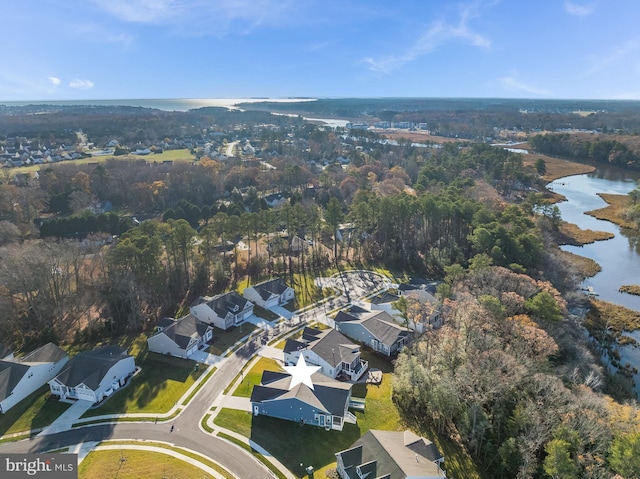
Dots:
{"x": 33, "y": 412}
{"x": 294, "y": 444}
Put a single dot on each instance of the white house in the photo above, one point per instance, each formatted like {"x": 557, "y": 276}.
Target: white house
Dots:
{"x": 20, "y": 377}
{"x": 222, "y": 311}
{"x": 94, "y": 375}
{"x": 330, "y": 350}
{"x": 268, "y": 294}
{"x": 181, "y": 337}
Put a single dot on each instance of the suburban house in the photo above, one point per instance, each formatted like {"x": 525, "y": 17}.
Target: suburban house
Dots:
{"x": 222, "y": 311}
{"x": 20, "y": 377}
{"x": 275, "y": 199}
{"x": 330, "y": 350}
{"x": 430, "y": 308}
{"x": 326, "y": 405}
{"x": 180, "y": 337}
{"x": 390, "y": 455}
{"x": 94, "y": 375}
{"x": 268, "y": 294}
{"x": 376, "y": 329}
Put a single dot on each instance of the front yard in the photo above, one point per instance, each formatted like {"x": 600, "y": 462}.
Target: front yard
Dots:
{"x": 156, "y": 388}
{"x": 34, "y": 412}
{"x": 313, "y": 445}
{"x": 223, "y": 340}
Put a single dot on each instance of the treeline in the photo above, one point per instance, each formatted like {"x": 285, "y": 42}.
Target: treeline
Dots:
{"x": 600, "y": 150}
{"x": 79, "y": 226}
{"x": 515, "y": 382}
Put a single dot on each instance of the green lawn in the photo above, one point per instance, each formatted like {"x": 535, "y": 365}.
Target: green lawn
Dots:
{"x": 222, "y": 339}
{"x": 264, "y": 313}
{"x": 277, "y": 435}
{"x": 169, "y": 155}
{"x": 31, "y": 413}
{"x": 136, "y": 464}
{"x": 254, "y": 375}
{"x": 156, "y": 388}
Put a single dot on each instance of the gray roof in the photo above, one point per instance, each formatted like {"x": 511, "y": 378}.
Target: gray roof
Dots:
{"x": 329, "y": 344}
{"x": 275, "y": 286}
{"x": 13, "y": 370}
{"x": 49, "y": 353}
{"x": 222, "y": 304}
{"x": 4, "y": 351}
{"x": 184, "y": 330}
{"x": 397, "y": 455}
{"x": 90, "y": 367}
{"x": 165, "y": 322}
{"x": 379, "y": 323}
{"x": 11, "y": 373}
{"x": 327, "y": 395}
{"x": 387, "y": 297}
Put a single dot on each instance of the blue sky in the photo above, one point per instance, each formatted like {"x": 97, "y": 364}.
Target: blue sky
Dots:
{"x": 120, "y": 49}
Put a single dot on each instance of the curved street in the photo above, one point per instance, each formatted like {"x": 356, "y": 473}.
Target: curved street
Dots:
{"x": 186, "y": 427}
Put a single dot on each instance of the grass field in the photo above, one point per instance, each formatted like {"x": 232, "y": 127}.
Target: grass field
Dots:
{"x": 581, "y": 237}
{"x": 136, "y": 465}
{"x": 254, "y": 375}
{"x": 614, "y": 211}
{"x": 169, "y": 155}
{"x": 32, "y": 413}
{"x": 585, "y": 266}
{"x": 222, "y": 340}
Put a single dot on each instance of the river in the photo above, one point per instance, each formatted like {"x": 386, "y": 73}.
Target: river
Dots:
{"x": 619, "y": 257}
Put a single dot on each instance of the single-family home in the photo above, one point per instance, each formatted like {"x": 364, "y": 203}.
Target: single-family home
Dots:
{"x": 94, "y": 375}
{"x": 326, "y": 405}
{"x": 390, "y": 455}
{"x": 222, "y": 311}
{"x": 180, "y": 337}
{"x": 275, "y": 199}
{"x": 20, "y": 377}
{"x": 268, "y": 294}
{"x": 376, "y": 329}
{"x": 330, "y": 350}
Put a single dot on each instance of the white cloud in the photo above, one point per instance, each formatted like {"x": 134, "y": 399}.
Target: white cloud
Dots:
{"x": 199, "y": 16}
{"x": 54, "y": 80}
{"x": 602, "y": 62}
{"x": 81, "y": 84}
{"x": 578, "y": 10}
{"x": 438, "y": 34}
{"x": 512, "y": 84}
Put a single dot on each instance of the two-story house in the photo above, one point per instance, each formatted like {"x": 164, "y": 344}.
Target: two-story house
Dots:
{"x": 180, "y": 337}
{"x": 268, "y": 294}
{"x": 330, "y": 350}
{"x": 222, "y": 311}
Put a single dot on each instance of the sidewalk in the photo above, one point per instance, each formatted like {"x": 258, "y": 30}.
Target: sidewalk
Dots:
{"x": 67, "y": 418}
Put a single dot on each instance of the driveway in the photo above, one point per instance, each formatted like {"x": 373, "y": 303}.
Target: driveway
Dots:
{"x": 205, "y": 358}
{"x": 67, "y": 418}
{"x": 285, "y": 313}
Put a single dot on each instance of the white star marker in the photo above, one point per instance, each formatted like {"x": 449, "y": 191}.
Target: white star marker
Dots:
{"x": 301, "y": 373}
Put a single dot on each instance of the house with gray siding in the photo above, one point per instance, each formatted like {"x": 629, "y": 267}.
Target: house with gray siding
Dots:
{"x": 94, "y": 375}
{"x": 376, "y": 329}
{"x": 268, "y": 294}
{"x": 20, "y": 377}
{"x": 222, "y": 311}
{"x": 180, "y": 337}
{"x": 326, "y": 405}
{"x": 390, "y": 455}
{"x": 330, "y": 350}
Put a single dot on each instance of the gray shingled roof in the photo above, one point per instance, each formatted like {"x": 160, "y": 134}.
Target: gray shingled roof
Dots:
{"x": 379, "y": 323}
{"x": 397, "y": 454}
{"x": 330, "y": 345}
{"x": 49, "y": 353}
{"x": 184, "y": 330}
{"x": 328, "y": 394}
{"x": 11, "y": 373}
{"x": 275, "y": 286}
{"x": 225, "y": 303}
{"x": 12, "y": 370}
{"x": 90, "y": 367}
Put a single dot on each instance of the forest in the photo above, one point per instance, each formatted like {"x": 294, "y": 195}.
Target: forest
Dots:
{"x": 511, "y": 374}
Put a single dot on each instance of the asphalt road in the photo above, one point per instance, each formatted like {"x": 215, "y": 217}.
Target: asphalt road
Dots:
{"x": 186, "y": 432}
